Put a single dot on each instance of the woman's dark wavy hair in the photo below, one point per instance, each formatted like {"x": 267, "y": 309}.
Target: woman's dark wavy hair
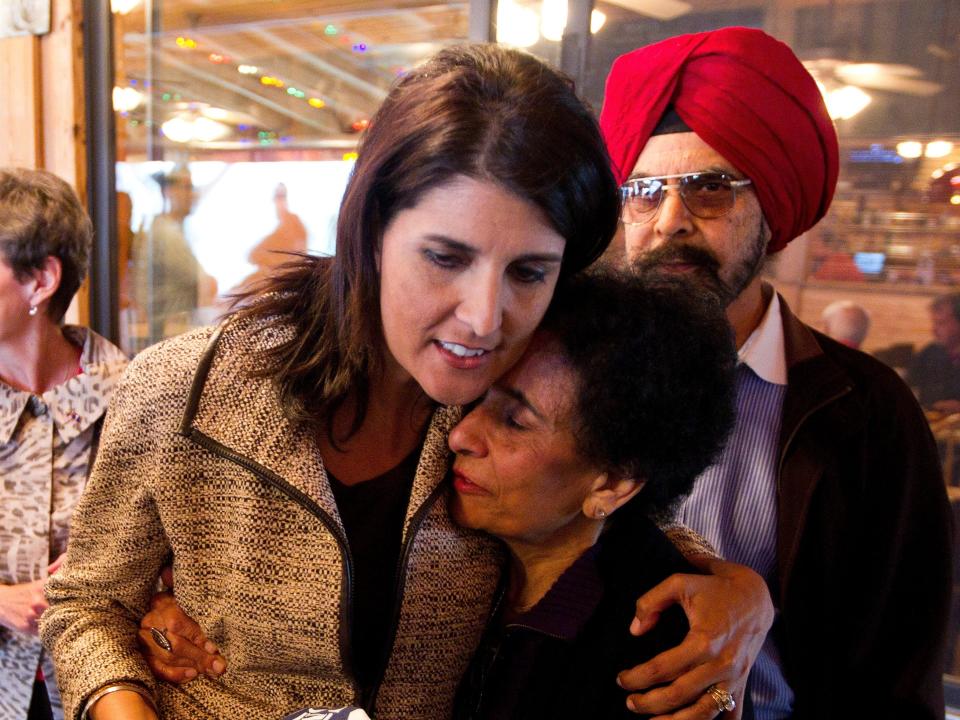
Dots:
{"x": 654, "y": 360}
{"x": 481, "y": 111}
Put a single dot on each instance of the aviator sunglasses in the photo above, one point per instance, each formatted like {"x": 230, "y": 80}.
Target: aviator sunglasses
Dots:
{"x": 704, "y": 194}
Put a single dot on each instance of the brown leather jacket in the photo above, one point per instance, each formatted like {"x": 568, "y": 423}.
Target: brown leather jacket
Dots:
{"x": 864, "y": 538}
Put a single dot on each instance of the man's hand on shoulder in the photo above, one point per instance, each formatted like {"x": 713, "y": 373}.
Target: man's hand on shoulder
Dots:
{"x": 729, "y": 611}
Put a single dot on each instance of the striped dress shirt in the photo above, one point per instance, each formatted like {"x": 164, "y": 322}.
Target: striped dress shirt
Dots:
{"x": 734, "y": 502}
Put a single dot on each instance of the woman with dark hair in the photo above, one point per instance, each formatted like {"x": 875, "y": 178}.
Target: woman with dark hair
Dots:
{"x": 290, "y": 462}
{"x": 624, "y": 395}
{"x": 55, "y": 381}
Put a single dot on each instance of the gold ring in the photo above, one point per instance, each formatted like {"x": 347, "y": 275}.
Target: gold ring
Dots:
{"x": 723, "y": 699}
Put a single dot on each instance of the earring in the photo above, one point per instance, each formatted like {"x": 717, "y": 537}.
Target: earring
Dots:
{"x": 32, "y": 311}
{"x": 601, "y": 513}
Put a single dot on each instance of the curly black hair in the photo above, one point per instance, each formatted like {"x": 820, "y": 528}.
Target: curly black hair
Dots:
{"x": 654, "y": 359}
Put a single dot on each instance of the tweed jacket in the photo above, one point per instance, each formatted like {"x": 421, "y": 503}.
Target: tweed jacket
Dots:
{"x": 198, "y": 462}
{"x": 863, "y": 547}
{"x": 46, "y": 442}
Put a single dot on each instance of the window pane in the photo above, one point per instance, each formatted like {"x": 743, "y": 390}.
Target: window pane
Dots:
{"x": 237, "y": 123}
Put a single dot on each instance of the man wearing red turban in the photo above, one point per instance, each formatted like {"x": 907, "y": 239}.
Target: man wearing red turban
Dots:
{"x": 830, "y": 486}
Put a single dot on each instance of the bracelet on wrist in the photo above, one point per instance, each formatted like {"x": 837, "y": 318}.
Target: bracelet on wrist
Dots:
{"x": 116, "y": 687}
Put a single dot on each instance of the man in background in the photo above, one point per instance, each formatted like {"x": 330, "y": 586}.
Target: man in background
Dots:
{"x": 169, "y": 282}
{"x": 934, "y": 372}
{"x": 829, "y": 487}
{"x": 290, "y": 236}
{"x": 846, "y": 322}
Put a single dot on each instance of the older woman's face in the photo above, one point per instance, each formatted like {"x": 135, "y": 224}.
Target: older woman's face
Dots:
{"x": 465, "y": 277}
{"x": 517, "y": 473}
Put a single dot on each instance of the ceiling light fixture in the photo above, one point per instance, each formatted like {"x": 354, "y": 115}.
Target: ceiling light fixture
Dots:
{"x": 910, "y": 149}
{"x": 122, "y": 7}
{"x": 517, "y": 25}
{"x": 846, "y": 101}
{"x": 597, "y": 20}
{"x": 938, "y": 149}
{"x": 185, "y": 128}
{"x": 553, "y": 19}
{"x": 126, "y": 99}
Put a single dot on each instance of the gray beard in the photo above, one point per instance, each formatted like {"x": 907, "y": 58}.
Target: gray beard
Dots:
{"x": 744, "y": 272}
{"x": 708, "y": 266}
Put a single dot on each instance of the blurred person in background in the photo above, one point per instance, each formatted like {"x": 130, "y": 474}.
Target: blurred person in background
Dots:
{"x": 290, "y": 236}
{"x": 169, "y": 283}
{"x": 934, "y": 372}
{"x": 846, "y": 322}
{"x": 55, "y": 382}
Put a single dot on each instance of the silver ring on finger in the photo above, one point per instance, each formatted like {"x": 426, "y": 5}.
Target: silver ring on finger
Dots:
{"x": 160, "y": 638}
{"x": 723, "y": 699}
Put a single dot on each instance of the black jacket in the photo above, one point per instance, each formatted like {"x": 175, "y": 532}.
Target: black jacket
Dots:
{"x": 864, "y": 538}
{"x": 561, "y": 659}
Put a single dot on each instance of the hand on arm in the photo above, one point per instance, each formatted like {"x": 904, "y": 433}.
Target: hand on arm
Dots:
{"x": 729, "y": 612}
{"x": 55, "y": 565}
{"x": 22, "y": 605}
{"x": 190, "y": 651}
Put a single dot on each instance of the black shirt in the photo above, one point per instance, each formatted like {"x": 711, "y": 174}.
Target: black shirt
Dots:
{"x": 561, "y": 658}
{"x": 372, "y": 513}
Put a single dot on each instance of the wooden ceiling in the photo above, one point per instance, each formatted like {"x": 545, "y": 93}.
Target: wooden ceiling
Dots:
{"x": 343, "y": 54}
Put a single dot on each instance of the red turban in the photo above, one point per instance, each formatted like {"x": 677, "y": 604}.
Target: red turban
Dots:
{"x": 748, "y": 97}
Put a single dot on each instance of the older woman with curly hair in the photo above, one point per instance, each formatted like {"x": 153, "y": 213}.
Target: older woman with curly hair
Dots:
{"x": 624, "y": 395}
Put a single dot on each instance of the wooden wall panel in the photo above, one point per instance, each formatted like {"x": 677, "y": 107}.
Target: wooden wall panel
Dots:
{"x": 42, "y": 106}
{"x": 20, "y": 102}
{"x": 63, "y": 112}
{"x": 62, "y": 95}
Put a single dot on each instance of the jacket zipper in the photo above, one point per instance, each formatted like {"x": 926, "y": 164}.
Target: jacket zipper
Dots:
{"x": 530, "y": 628}
{"x": 309, "y": 504}
{"x": 370, "y": 702}
{"x": 490, "y": 663}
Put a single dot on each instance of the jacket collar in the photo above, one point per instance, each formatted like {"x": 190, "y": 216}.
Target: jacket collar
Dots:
{"x": 77, "y": 403}
{"x": 570, "y": 602}
{"x": 241, "y": 412}
{"x": 812, "y": 375}
{"x": 815, "y": 381}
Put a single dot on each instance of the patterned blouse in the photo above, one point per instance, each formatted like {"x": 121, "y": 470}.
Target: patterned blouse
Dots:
{"x": 45, "y": 444}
